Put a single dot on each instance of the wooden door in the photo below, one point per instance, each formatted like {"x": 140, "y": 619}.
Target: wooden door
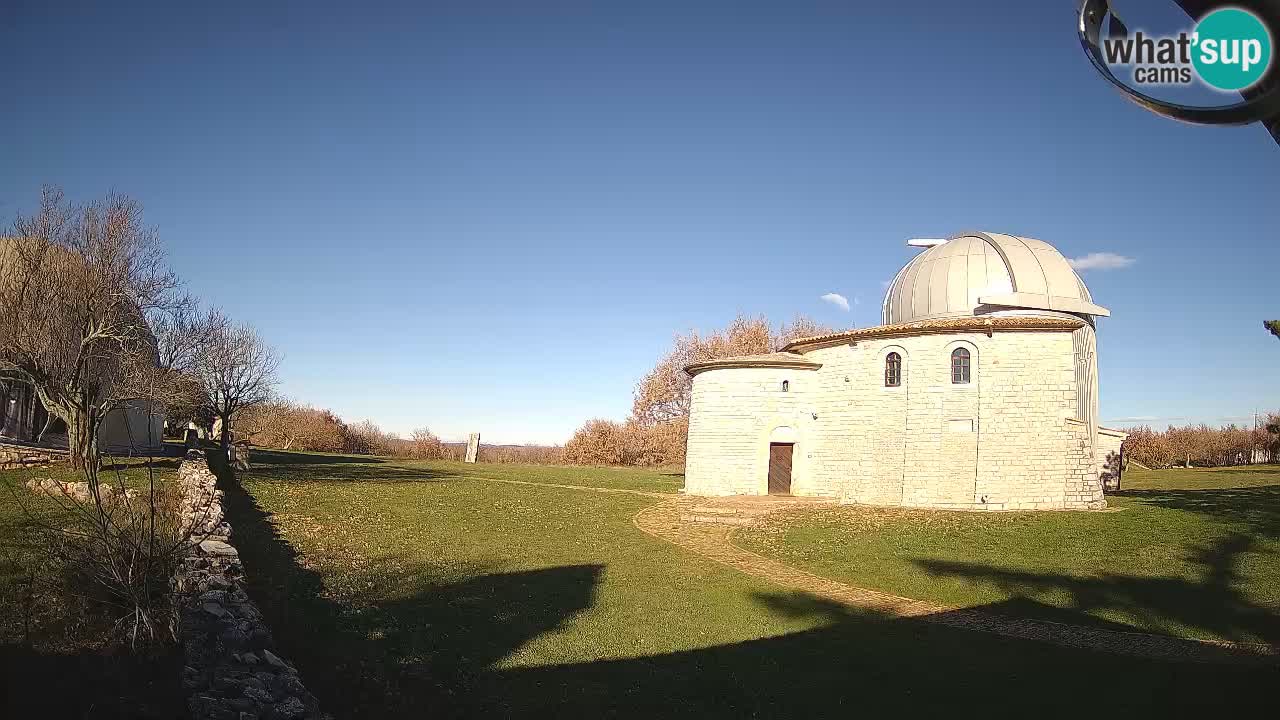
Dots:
{"x": 780, "y": 468}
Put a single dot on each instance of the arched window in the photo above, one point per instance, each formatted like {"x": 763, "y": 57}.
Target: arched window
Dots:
{"x": 960, "y": 366}
{"x": 786, "y": 385}
{"x": 892, "y": 370}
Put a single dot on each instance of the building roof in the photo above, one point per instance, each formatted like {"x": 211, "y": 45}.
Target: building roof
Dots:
{"x": 986, "y": 324}
{"x": 773, "y": 360}
{"x": 792, "y": 355}
{"x": 977, "y": 273}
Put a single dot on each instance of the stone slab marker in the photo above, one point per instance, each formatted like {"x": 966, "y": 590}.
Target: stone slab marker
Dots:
{"x": 473, "y": 447}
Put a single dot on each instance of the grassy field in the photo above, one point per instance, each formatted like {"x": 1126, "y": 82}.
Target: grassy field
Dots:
{"x": 1194, "y": 553}
{"x": 409, "y": 589}
{"x": 51, "y": 666}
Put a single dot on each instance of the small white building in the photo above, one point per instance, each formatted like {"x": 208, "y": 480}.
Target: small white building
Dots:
{"x": 979, "y": 391}
{"x": 132, "y": 428}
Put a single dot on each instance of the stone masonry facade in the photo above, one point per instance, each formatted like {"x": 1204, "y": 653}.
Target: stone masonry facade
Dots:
{"x": 1010, "y": 439}
{"x": 231, "y": 669}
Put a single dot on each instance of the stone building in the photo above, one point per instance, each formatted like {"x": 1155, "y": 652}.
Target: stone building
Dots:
{"x": 979, "y": 391}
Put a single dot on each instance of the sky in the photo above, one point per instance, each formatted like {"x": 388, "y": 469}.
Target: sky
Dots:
{"x": 494, "y": 216}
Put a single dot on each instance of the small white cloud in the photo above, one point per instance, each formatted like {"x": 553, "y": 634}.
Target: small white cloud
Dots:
{"x": 857, "y": 300}
{"x": 838, "y": 300}
{"x": 1101, "y": 261}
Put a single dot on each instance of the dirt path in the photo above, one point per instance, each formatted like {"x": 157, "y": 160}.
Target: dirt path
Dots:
{"x": 669, "y": 521}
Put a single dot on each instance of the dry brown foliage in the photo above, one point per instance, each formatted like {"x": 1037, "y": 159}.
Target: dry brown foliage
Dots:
{"x": 424, "y": 445}
{"x": 598, "y": 442}
{"x": 288, "y": 425}
{"x": 657, "y": 431}
{"x": 367, "y": 438}
{"x": 1204, "y": 446}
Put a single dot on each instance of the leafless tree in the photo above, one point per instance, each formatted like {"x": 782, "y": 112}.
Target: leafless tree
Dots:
{"x": 424, "y": 444}
{"x": 79, "y": 285}
{"x": 367, "y": 438}
{"x": 236, "y": 369}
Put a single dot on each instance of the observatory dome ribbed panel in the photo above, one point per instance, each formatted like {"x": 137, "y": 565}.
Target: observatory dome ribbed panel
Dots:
{"x": 976, "y": 273}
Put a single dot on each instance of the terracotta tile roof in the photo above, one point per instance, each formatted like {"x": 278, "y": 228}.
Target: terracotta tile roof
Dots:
{"x": 777, "y": 360}
{"x": 988, "y": 325}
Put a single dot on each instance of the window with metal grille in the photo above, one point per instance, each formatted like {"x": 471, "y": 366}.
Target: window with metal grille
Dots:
{"x": 893, "y": 370}
{"x": 959, "y": 366}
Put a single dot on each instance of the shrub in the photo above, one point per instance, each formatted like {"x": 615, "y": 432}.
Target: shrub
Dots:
{"x": 1202, "y": 445}
{"x": 107, "y": 559}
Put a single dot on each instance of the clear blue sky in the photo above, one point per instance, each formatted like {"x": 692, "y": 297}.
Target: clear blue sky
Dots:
{"x": 494, "y": 215}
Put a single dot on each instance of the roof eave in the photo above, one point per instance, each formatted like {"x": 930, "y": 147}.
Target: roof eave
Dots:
{"x": 986, "y": 325}
{"x": 725, "y": 363}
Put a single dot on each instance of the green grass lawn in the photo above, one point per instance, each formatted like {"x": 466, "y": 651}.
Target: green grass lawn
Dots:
{"x": 51, "y": 666}
{"x": 1194, "y": 553}
{"x": 408, "y": 589}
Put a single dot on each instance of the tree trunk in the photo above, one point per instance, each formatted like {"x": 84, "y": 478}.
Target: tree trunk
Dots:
{"x": 82, "y": 439}
{"x": 81, "y": 419}
{"x": 225, "y": 438}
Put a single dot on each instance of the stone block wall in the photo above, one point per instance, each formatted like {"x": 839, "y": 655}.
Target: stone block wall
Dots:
{"x": 735, "y": 414}
{"x": 1006, "y": 440}
{"x": 232, "y": 670}
{"x": 20, "y": 456}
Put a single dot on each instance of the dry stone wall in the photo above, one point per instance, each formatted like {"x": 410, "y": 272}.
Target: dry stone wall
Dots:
{"x": 20, "y": 456}
{"x": 232, "y": 670}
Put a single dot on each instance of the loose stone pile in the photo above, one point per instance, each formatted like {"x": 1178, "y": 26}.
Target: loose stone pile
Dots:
{"x": 231, "y": 671}
{"x": 76, "y": 490}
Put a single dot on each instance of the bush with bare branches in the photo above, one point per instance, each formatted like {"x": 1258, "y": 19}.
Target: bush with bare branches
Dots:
{"x": 367, "y": 438}
{"x": 598, "y": 442}
{"x": 288, "y": 425}
{"x": 658, "y": 429}
{"x": 1204, "y": 446}
{"x": 84, "y": 290}
{"x": 424, "y": 445}
{"x": 108, "y": 554}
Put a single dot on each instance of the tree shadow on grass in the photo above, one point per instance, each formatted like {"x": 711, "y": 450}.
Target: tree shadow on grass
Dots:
{"x": 1216, "y": 605}
{"x": 859, "y": 663}
{"x": 1258, "y": 508}
{"x": 305, "y": 468}
{"x": 285, "y": 457}
{"x": 435, "y": 651}
{"x": 348, "y": 473}
{"x": 416, "y": 656}
{"x": 89, "y": 685}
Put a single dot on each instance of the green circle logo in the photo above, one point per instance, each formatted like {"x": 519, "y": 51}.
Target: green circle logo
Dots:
{"x": 1232, "y": 49}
